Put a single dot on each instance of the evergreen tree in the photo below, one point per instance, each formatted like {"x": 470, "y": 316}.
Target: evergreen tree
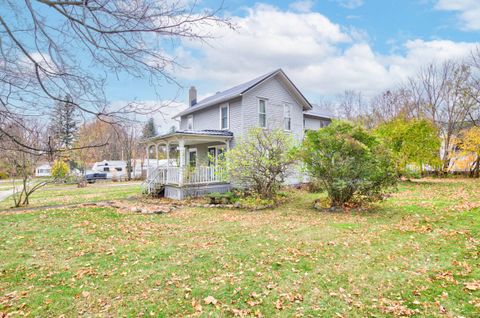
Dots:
{"x": 149, "y": 130}
{"x": 64, "y": 124}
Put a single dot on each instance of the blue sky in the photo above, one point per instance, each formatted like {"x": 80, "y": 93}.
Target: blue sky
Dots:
{"x": 325, "y": 46}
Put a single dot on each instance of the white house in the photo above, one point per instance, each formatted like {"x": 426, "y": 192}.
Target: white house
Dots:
{"x": 44, "y": 170}
{"x": 211, "y": 126}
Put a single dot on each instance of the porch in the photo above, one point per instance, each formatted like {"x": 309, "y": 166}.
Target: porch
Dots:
{"x": 191, "y": 167}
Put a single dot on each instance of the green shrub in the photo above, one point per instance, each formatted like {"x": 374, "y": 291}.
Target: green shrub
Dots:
{"x": 254, "y": 202}
{"x": 410, "y": 173}
{"x": 60, "y": 170}
{"x": 315, "y": 186}
{"x": 412, "y": 143}
{"x": 3, "y": 175}
{"x": 260, "y": 161}
{"x": 222, "y": 198}
{"x": 349, "y": 162}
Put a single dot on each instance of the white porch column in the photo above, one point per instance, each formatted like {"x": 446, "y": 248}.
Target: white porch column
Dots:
{"x": 168, "y": 154}
{"x": 148, "y": 160}
{"x": 181, "y": 149}
{"x": 156, "y": 153}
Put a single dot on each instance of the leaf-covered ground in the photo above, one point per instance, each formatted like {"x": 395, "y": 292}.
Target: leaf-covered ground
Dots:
{"x": 416, "y": 254}
{"x": 60, "y": 194}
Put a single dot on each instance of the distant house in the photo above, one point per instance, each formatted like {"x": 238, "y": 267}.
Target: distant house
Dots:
{"x": 118, "y": 168}
{"x": 44, "y": 170}
{"x": 212, "y": 126}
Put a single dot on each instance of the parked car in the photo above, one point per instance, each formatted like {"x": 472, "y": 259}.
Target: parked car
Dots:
{"x": 91, "y": 177}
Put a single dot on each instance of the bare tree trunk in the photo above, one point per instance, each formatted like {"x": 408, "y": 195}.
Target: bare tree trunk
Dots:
{"x": 476, "y": 168}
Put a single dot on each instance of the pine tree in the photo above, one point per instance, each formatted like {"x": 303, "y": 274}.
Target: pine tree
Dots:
{"x": 149, "y": 130}
{"x": 64, "y": 124}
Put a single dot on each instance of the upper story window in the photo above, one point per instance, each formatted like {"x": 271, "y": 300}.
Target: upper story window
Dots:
{"x": 224, "y": 117}
{"x": 262, "y": 113}
{"x": 287, "y": 116}
{"x": 190, "y": 122}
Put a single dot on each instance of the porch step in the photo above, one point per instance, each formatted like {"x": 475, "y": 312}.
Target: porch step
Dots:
{"x": 156, "y": 189}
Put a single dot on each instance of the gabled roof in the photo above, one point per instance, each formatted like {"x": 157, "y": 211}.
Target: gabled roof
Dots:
{"x": 319, "y": 111}
{"x": 241, "y": 89}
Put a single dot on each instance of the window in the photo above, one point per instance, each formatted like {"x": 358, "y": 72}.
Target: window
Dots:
{"x": 106, "y": 169}
{"x": 262, "y": 113}
{"x": 192, "y": 157}
{"x": 118, "y": 169}
{"x": 190, "y": 122}
{"x": 212, "y": 156}
{"x": 287, "y": 116}
{"x": 224, "y": 117}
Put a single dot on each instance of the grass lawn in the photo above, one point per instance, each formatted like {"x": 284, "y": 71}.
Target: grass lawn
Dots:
{"x": 56, "y": 194}
{"x": 416, "y": 254}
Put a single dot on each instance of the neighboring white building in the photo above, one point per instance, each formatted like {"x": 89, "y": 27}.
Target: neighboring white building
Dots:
{"x": 118, "y": 168}
{"x": 44, "y": 170}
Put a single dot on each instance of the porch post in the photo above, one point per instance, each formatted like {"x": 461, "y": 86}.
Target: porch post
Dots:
{"x": 148, "y": 160}
{"x": 168, "y": 154}
{"x": 156, "y": 153}
{"x": 181, "y": 149}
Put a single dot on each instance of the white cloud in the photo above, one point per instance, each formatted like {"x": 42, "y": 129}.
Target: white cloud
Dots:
{"x": 322, "y": 57}
{"x": 350, "y": 4}
{"x": 302, "y": 6}
{"x": 468, "y": 11}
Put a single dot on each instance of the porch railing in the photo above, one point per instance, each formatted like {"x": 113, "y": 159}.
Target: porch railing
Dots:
{"x": 203, "y": 174}
{"x": 184, "y": 176}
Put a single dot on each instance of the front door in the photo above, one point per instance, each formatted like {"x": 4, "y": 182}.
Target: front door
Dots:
{"x": 215, "y": 154}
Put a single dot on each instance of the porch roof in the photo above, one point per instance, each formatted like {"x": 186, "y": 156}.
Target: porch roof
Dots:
{"x": 206, "y": 135}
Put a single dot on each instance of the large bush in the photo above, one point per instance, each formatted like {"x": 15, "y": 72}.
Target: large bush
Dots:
{"x": 349, "y": 162}
{"x": 60, "y": 170}
{"x": 412, "y": 142}
{"x": 261, "y": 160}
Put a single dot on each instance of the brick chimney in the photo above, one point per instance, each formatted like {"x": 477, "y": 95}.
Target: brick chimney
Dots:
{"x": 192, "y": 96}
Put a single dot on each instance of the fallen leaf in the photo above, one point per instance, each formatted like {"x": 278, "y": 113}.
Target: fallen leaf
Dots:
{"x": 197, "y": 306}
{"x": 210, "y": 300}
{"x": 475, "y": 285}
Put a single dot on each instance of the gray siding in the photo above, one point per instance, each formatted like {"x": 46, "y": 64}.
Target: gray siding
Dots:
{"x": 208, "y": 118}
{"x": 276, "y": 95}
{"x": 236, "y": 123}
{"x": 314, "y": 123}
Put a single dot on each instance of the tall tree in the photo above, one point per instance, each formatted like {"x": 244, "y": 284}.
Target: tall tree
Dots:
{"x": 97, "y": 141}
{"x": 149, "y": 130}
{"x": 442, "y": 94}
{"x": 22, "y": 164}
{"x": 351, "y": 105}
{"x": 391, "y": 104}
{"x": 64, "y": 124}
{"x": 51, "y": 49}
{"x": 131, "y": 148}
